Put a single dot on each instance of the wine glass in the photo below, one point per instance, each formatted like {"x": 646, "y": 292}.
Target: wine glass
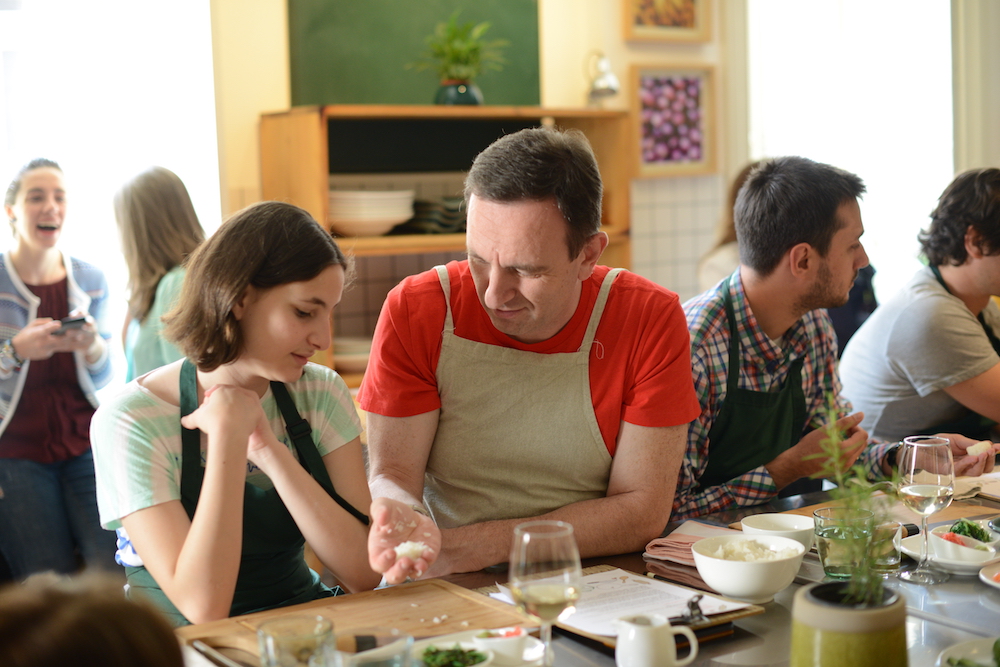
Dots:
{"x": 545, "y": 576}
{"x": 926, "y": 485}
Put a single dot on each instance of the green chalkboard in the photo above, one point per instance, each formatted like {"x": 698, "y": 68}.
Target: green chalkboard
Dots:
{"x": 356, "y": 51}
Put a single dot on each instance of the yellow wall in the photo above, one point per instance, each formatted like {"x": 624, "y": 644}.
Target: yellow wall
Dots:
{"x": 250, "y": 52}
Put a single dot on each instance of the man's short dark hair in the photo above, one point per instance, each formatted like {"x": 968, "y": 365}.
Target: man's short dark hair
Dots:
{"x": 541, "y": 163}
{"x": 787, "y": 201}
{"x": 971, "y": 200}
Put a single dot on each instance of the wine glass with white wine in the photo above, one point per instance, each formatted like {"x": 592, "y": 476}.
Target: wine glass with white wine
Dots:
{"x": 926, "y": 486}
{"x": 545, "y": 576}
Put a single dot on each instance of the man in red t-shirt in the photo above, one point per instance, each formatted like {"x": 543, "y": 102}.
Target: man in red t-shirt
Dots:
{"x": 527, "y": 381}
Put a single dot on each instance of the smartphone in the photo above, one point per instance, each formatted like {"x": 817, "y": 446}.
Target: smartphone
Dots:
{"x": 69, "y": 323}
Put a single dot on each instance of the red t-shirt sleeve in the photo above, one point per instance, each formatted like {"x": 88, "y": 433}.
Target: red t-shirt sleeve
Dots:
{"x": 661, "y": 393}
{"x": 400, "y": 380}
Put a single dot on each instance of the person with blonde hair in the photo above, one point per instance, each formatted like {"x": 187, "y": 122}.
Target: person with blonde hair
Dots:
{"x": 159, "y": 229}
{"x": 84, "y": 622}
{"x": 262, "y": 443}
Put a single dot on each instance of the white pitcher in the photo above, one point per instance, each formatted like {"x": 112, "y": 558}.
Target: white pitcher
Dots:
{"x": 647, "y": 640}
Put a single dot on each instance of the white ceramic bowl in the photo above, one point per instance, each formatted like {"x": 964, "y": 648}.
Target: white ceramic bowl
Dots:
{"x": 372, "y": 227}
{"x": 751, "y": 581}
{"x": 799, "y": 528}
{"x": 943, "y": 548}
{"x": 507, "y": 650}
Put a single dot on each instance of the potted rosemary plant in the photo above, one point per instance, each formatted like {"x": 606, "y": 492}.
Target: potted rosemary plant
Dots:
{"x": 856, "y": 622}
{"x": 459, "y": 54}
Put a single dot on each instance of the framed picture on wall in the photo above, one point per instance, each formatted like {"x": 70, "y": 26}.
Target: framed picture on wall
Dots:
{"x": 673, "y": 107}
{"x": 667, "y": 20}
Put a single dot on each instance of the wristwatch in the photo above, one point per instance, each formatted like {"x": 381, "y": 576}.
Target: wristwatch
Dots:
{"x": 9, "y": 354}
{"x": 891, "y": 454}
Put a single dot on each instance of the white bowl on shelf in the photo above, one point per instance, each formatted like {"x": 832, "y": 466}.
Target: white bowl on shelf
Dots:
{"x": 372, "y": 227}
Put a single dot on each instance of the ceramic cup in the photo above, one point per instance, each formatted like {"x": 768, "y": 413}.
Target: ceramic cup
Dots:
{"x": 799, "y": 528}
{"x": 291, "y": 641}
{"x": 647, "y": 640}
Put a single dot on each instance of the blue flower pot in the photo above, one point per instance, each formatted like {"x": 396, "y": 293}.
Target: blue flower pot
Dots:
{"x": 458, "y": 92}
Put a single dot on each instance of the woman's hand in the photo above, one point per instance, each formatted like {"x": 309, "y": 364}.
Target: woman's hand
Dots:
{"x": 394, "y": 523}
{"x": 225, "y": 413}
{"x": 37, "y": 339}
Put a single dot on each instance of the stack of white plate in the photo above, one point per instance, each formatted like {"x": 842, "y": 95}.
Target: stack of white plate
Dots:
{"x": 369, "y": 212}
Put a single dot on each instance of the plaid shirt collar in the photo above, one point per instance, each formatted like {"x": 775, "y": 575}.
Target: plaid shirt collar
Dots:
{"x": 755, "y": 346}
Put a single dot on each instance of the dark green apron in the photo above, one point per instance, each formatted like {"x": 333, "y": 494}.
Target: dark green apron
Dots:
{"x": 753, "y": 427}
{"x": 273, "y": 572}
{"x": 973, "y": 424}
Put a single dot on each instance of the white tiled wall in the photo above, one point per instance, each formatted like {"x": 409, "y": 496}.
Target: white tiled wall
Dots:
{"x": 674, "y": 222}
{"x": 359, "y": 308}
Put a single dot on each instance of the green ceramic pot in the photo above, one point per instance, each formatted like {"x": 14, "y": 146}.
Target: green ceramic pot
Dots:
{"x": 827, "y": 632}
{"x": 458, "y": 92}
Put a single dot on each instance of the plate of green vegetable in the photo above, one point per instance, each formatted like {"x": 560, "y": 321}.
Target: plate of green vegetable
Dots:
{"x": 451, "y": 654}
{"x": 975, "y": 653}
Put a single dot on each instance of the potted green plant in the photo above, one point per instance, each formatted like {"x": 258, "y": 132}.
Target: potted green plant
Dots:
{"x": 459, "y": 54}
{"x": 857, "y": 622}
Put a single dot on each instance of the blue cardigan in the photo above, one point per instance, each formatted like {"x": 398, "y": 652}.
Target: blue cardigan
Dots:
{"x": 87, "y": 291}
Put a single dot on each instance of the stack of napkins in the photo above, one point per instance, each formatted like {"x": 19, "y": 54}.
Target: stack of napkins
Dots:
{"x": 676, "y": 547}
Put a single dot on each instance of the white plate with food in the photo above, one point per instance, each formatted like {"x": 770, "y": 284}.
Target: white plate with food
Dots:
{"x": 911, "y": 547}
{"x": 990, "y": 575}
{"x": 977, "y": 650}
{"x": 533, "y": 649}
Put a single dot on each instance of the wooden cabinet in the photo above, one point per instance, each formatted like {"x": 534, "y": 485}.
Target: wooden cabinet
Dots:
{"x": 302, "y": 147}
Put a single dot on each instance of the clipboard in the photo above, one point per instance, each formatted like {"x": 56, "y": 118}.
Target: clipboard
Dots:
{"x": 715, "y": 626}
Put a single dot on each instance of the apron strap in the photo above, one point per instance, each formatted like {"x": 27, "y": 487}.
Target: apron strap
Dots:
{"x": 982, "y": 320}
{"x": 301, "y": 434}
{"x": 192, "y": 473}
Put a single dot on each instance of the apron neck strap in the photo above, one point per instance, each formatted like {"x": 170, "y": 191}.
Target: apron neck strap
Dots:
{"x": 994, "y": 341}
{"x": 733, "y": 381}
{"x": 301, "y": 434}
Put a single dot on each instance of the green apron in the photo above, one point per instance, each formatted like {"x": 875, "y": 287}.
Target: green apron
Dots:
{"x": 273, "y": 572}
{"x": 973, "y": 424}
{"x": 753, "y": 427}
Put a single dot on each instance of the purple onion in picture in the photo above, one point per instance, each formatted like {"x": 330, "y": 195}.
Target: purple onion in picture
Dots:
{"x": 671, "y": 118}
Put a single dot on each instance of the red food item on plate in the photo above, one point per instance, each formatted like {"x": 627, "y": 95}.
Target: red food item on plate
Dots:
{"x": 996, "y": 577}
{"x": 952, "y": 537}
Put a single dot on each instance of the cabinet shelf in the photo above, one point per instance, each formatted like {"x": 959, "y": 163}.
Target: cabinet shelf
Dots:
{"x": 302, "y": 147}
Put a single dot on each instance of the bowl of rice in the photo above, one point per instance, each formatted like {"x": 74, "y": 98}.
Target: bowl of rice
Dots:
{"x": 751, "y": 569}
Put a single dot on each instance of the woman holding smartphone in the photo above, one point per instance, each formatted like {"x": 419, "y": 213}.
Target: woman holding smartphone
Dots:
{"x": 215, "y": 469}
{"x": 49, "y": 374}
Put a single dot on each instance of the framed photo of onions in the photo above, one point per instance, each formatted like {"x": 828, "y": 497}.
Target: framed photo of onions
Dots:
{"x": 667, "y": 20}
{"x": 673, "y": 108}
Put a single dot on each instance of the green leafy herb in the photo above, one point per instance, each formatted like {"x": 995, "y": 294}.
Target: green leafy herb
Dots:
{"x": 965, "y": 662}
{"x": 451, "y": 657}
{"x": 854, "y": 491}
{"x": 970, "y": 529}
{"x": 457, "y": 51}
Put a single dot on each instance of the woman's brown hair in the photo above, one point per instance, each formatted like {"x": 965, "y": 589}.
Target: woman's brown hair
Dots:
{"x": 262, "y": 246}
{"x": 158, "y": 228}
{"x": 86, "y": 622}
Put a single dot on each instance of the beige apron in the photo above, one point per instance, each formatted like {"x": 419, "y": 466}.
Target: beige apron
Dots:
{"x": 517, "y": 435}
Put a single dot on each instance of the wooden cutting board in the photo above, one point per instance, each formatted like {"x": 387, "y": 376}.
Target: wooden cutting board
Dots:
{"x": 957, "y": 510}
{"x": 422, "y": 608}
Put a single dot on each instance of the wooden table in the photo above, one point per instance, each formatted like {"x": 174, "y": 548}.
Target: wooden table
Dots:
{"x": 937, "y": 616}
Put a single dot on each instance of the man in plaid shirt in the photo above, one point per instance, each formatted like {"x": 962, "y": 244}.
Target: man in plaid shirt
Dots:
{"x": 799, "y": 231}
